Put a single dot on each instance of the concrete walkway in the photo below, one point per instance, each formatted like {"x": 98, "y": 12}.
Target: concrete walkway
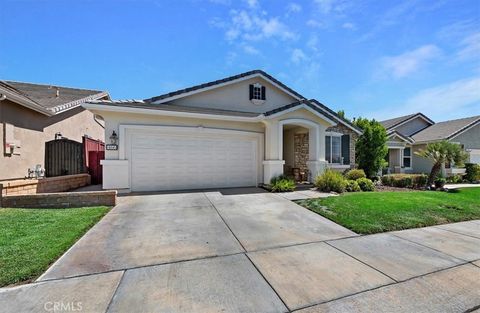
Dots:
{"x": 258, "y": 252}
{"x": 456, "y": 186}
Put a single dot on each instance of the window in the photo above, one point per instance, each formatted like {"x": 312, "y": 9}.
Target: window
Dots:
{"x": 257, "y": 93}
{"x": 407, "y": 157}
{"x": 333, "y": 149}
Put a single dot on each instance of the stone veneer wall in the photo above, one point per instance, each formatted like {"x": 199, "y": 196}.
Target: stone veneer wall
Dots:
{"x": 301, "y": 145}
{"x": 61, "y": 200}
{"x": 339, "y": 128}
{"x": 301, "y": 151}
{"x": 44, "y": 185}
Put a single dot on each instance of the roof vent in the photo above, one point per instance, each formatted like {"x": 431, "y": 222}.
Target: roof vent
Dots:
{"x": 57, "y": 91}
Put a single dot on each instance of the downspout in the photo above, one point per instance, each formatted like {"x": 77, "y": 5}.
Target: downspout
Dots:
{"x": 96, "y": 121}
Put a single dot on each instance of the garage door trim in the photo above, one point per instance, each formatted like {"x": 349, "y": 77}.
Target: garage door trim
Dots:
{"x": 126, "y": 132}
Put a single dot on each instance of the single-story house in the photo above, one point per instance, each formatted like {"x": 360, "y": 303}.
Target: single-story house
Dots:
{"x": 411, "y": 133}
{"x": 31, "y": 114}
{"x": 242, "y": 130}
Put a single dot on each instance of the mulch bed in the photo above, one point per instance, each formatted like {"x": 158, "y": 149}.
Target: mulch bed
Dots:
{"x": 388, "y": 188}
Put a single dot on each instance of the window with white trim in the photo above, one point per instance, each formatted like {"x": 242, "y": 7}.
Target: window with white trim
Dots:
{"x": 333, "y": 148}
{"x": 257, "y": 92}
{"x": 407, "y": 157}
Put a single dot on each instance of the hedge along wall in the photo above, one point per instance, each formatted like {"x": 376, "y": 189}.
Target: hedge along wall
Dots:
{"x": 405, "y": 180}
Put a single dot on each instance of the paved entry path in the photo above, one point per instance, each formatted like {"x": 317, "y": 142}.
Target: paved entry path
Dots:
{"x": 258, "y": 252}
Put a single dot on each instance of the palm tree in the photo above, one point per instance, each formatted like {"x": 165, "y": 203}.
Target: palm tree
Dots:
{"x": 439, "y": 153}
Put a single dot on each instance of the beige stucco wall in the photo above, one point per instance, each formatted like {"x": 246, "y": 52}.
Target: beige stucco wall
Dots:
{"x": 33, "y": 129}
{"x": 236, "y": 97}
{"x": 412, "y": 127}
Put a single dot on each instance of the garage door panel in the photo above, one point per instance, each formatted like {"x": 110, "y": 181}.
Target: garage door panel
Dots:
{"x": 165, "y": 161}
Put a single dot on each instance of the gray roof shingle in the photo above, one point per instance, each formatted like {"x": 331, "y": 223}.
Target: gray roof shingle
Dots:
{"x": 391, "y": 123}
{"x": 445, "y": 130}
{"x": 45, "y": 96}
{"x": 172, "y": 108}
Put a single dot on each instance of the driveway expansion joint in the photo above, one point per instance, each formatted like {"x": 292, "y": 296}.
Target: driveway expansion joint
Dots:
{"x": 115, "y": 292}
{"x": 421, "y": 244}
{"x": 456, "y": 232}
{"x": 395, "y": 280}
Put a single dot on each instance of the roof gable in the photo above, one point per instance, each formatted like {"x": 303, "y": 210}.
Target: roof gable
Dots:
{"x": 398, "y": 121}
{"x": 224, "y": 82}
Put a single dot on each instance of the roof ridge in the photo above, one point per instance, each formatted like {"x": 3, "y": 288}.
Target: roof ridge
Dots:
{"x": 50, "y": 85}
{"x": 224, "y": 80}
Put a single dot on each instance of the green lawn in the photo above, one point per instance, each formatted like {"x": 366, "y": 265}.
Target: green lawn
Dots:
{"x": 32, "y": 239}
{"x": 374, "y": 212}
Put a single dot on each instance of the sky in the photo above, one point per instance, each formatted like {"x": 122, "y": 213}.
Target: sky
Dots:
{"x": 375, "y": 59}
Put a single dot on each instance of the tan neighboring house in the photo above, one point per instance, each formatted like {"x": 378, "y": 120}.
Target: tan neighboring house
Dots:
{"x": 31, "y": 114}
{"x": 237, "y": 131}
{"x": 411, "y": 133}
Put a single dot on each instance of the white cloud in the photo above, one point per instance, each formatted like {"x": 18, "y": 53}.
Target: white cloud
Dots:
{"x": 325, "y": 6}
{"x": 293, "y": 7}
{"x": 298, "y": 56}
{"x": 249, "y": 26}
{"x": 402, "y": 65}
{"x": 350, "y": 26}
{"x": 250, "y": 50}
{"x": 252, "y": 3}
{"x": 449, "y": 101}
{"x": 470, "y": 47}
{"x": 314, "y": 24}
{"x": 459, "y": 98}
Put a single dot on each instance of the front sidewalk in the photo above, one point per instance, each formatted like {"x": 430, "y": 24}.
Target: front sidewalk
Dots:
{"x": 319, "y": 268}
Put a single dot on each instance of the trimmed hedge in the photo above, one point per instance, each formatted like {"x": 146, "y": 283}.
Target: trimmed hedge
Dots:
{"x": 405, "y": 180}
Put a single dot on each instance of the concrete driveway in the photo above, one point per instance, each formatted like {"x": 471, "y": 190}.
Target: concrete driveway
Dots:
{"x": 255, "y": 252}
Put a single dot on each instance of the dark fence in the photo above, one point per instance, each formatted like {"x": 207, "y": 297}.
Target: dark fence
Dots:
{"x": 64, "y": 157}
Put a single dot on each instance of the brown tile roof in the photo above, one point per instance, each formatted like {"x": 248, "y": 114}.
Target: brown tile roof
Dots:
{"x": 445, "y": 130}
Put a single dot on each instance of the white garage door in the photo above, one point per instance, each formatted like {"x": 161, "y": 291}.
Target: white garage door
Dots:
{"x": 188, "y": 160}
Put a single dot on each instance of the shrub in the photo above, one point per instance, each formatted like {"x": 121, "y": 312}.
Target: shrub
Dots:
{"x": 365, "y": 184}
{"x": 405, "y": 180}
{"x": 420, "y": 180}
{"x": 355, "y": 174}
{"x": 352, "y": 186}
{"x": 282, "y": 183}
{"x": 439, "y": 182}
{"x": 330, "y": 181}
{"x": 472, "y": 172}
{"x": 454, "y": 179}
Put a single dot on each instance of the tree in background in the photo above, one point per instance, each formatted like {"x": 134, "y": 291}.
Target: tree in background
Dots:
{"x": 371, "y": 147}
{"x": 439, "y": 153}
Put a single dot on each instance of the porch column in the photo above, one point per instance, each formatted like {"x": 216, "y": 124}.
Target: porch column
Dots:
{"x": 273, "y": 163}
{"x": 316, "y": 145}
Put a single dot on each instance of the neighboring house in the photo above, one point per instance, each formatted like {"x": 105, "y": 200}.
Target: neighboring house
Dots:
{"x": 31, "y": 114}
{"x": 238, "y": 131}
{"x": 411, "y": 133}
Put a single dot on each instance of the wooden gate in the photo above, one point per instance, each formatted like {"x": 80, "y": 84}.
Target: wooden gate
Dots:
{"x": 94, "y": 152}
{"x": 63, "y": 157}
